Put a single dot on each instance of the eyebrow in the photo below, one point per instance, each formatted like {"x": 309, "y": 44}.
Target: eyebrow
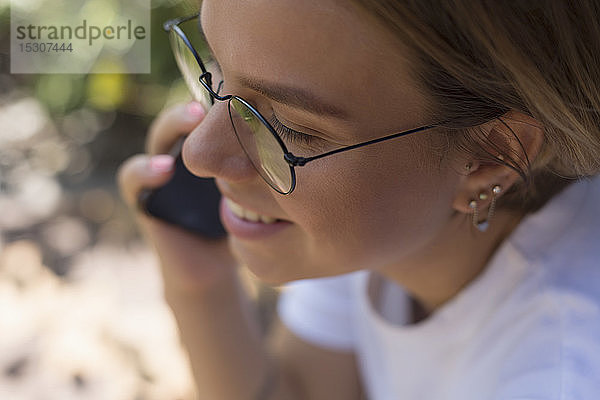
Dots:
{"x": 294, "y": 96}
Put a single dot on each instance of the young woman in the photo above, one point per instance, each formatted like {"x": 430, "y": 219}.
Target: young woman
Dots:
{"x": 432, "y": 163}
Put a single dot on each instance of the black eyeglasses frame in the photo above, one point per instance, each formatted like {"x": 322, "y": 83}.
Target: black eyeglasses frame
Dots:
{"x": 292, "y": 160}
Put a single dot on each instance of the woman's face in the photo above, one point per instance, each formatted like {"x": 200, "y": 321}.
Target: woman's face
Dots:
{"x": 371, "y": 207}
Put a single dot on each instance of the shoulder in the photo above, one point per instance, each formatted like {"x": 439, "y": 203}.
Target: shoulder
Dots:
{"x": 542, "y": 339}
{"x": 548, "y": 333}
{"x": 566, "y": 228}
{"x": 551, "y": 349}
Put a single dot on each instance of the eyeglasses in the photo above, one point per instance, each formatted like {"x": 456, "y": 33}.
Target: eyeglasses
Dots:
{"x": 260, "y": 141}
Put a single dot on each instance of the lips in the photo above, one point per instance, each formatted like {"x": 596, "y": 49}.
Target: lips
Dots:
{"x": 240, "y": 222}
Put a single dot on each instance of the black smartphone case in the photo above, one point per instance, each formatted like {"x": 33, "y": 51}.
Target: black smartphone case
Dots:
{"x": 186, "y": 201}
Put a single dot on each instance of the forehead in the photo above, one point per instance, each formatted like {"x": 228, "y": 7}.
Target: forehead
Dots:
{"x": 329, "y": 46}
{"x": 281, "y": 34}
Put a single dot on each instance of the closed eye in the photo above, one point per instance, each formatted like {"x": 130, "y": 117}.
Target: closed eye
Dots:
{"x": 290, "y": 135}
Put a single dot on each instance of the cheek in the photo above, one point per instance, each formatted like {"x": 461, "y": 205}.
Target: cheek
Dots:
{"x": 371, "y": 207}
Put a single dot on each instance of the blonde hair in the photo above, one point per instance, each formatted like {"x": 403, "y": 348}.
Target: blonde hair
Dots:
{"x": 478, "y": 59}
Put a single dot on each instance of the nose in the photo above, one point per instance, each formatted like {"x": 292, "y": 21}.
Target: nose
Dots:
{"x": 213, "y": 151}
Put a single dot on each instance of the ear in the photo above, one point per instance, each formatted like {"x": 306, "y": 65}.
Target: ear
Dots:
{"x": 513, "y": 139}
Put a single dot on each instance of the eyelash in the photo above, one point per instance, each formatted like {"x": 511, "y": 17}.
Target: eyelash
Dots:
{"x": 290, "y": 134}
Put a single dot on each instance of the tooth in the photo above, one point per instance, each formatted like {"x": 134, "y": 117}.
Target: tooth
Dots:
{"x": 251, "y": 216}
{"x": 237, "y": 210}
{"x": 246, "y": 214}
{"x": 267, "y": 220}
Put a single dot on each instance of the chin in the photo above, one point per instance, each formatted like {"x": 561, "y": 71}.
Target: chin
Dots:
{"x": 270, "y": 274}
{"x": 265, "y": 269}
{"x": 270, "y": 268}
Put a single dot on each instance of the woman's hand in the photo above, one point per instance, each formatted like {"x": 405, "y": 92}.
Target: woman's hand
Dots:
{"x": 189, "y": 262}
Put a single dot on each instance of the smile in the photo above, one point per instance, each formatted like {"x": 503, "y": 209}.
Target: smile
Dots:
{"x": 248, "y": 215}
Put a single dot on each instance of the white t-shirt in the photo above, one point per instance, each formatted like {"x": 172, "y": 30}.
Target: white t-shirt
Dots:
{"x": 527, "y": 328}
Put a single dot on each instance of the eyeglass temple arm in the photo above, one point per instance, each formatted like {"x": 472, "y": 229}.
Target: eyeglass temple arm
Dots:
{"x": 289, "y": 157}
{"x": 295, "y": 161}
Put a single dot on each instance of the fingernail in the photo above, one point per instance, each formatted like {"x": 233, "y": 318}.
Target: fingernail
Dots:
{"x": 195, "y": 109}
{"x": 161, "y": 163}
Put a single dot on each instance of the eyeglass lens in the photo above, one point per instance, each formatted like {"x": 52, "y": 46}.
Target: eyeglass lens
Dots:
{"x": 190, "y": 70}
{"x": 257, "y": 140}
{"x": 261, "y": 146}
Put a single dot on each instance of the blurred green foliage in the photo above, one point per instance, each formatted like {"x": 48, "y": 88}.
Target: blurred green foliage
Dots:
{"x": 142, "y": 95}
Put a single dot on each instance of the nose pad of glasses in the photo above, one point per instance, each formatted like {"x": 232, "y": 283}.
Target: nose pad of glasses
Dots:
{"x": 219, "y": 87}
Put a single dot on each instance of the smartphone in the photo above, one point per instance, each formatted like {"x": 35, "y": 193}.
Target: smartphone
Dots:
{"x": 186, "y": 200}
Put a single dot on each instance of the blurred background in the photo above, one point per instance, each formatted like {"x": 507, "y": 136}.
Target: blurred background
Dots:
{"x": 81, "y": 308}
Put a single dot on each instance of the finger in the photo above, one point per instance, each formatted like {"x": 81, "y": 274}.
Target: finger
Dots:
{"x": 143, "y": 172}
{"x": 171, "y": 124}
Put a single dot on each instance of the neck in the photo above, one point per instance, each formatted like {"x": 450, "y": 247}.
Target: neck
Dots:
{"x": 451, "y": 261}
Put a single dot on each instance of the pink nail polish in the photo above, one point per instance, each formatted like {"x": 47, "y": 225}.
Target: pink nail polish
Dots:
{"x": 161, "y": 163}
{"x": 194, "y": 108}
